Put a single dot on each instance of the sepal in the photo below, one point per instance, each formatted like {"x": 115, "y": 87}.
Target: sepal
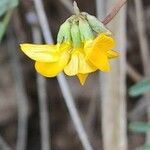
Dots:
{"x": 96, "y": 25}
{"x": 85, "y": 30}
{"x": 64, "y": 34}
{"x": 75, "y": 34}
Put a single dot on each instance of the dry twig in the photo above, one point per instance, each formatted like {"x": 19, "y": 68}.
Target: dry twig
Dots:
{"x": 114, "y": 11}
{"x": 4, "y": 145}
{"x": 113, "y": 86}
{"x": 41, "y": 88}
{"x": 144, "y": 47}
{"x": 21, "y": 93}
{"x": 139, "y": 109}
{"x": 136, "y": 76}
{"x": 67, "y": 4}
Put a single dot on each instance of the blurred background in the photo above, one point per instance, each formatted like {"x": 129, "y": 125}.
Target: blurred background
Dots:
{"x": 110, "y": 112}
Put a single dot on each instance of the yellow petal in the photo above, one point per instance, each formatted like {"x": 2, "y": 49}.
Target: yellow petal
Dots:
{"x": 64, "y": 46}
{"x": 72, "y": 67}
{"x": 112, "y": 54}
{"x": 41, "y": 53}
{"x": 44, "y": 53}
{"x": 100, "y": 60}
{"x": 82, "y": 78}
{"x": 52, "y": 69}
{"x": 97, "y": 52}
{"x": 84, "y": 65}
{"x": 104, "y": 42}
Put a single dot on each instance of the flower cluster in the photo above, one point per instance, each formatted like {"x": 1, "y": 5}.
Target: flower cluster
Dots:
{"x": 84, "y": 45}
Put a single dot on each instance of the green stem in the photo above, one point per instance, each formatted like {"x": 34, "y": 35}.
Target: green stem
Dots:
{"x": 76, "y": 8}
{"x": 4, "y": 23}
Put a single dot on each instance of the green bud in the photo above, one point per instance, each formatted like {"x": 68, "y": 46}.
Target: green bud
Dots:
{"x": 85, "y": 30}
{"x": 64, "y": 34}
{"x": 75, "y": 34}
{"x": 96, "y": 25}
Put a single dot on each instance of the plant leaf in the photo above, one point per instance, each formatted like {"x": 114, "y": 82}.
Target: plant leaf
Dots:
{"x": 6, "y": 5}
{"x": 139, "y": 127}
{"x": 144, "y": 147}
{"x": 4, "y": 23}
{"x": 140, "y": 88}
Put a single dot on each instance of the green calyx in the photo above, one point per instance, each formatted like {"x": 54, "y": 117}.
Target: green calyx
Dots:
{"x": 79, "y": 28}
{"x": 64, "y": 34}
{"x": 96, "y": 25}
{"x": 85, "y": 30}
{"x": 75, "y": 34}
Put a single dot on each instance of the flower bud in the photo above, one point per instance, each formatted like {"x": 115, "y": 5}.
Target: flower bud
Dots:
{"x": 85, "y": 30}
{"x": 75, "y": 34}
{"x": 96, "y": 25}
{"x": 64, "y": 34}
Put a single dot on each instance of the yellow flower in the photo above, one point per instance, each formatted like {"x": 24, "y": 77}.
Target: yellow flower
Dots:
{"x": 53, "y": 59}
{"x": 84, "y": 45}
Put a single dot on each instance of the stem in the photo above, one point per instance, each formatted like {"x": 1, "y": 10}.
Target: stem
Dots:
{"x": 20, "y": 91}
{"x": 134, "y": 75}
{"x": 114, "y": 11}
{"x": 113, "y": 88}
{"x": 67, "y": 4}
{"x": 41, "y": 90}
{"x": 44, "y": 117}
{"x": 144, "y": 48}
{"x": 4, "y": 145}
{"x": 5, "y": 23}
{"x": 76, "y": 8}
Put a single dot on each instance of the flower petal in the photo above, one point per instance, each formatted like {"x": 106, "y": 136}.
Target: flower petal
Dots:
{"x": 41, "y": 53}
{"x": 82, "y": 78}
{"x": 97, "y": 52}
{"x": 100, "y": 60}
{"x": 104, "y": 42}
{"x": 112, "y": 54}
{"x": 44, "y": 53}
{"x": 84, "y": 65}
{"x": 72, "y": 67}
{"x": 52, "y": 69}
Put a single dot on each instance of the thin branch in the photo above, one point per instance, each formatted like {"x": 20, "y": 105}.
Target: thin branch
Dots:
{"x": 44, "y": 117}
{"x": 141, "y": 27}
{"x": 136, "y": 76}
{"x": 74, "y": 114}
{"x": 144, "y": 48}
{"x": 5, "y": 22}
{"x": 114, "y": 11}
{"x": 43, "y": 21}
{"x": 113, "y": 86}
{"x": 139, "y": 109}
{"x": 41, "y": 88}
{"x": 68, "y": 5}
{"x": 101, "y": 8}
{"x": 62, "y": 81}
{"x": 21, "y": 94}
{"x": 17, "y": 25}
{"x": 91, "y": 113}
{"x": 3, "y": 144}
